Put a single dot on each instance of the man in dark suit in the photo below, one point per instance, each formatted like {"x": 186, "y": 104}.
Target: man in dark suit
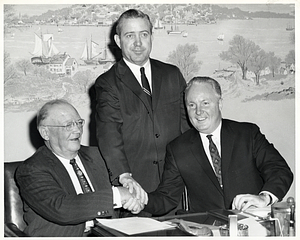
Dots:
{"x": 252, "y": 172}
{"x": 134, "y": 121}
{"x": 55, "y": 204}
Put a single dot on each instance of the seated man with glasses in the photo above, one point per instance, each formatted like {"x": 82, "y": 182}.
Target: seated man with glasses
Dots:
{"x": 65, "y": 185}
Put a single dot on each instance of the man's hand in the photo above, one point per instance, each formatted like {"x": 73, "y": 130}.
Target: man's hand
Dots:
{"x": 244, "y": 201}
{"x": 129, "y": 201}
{"x": 133, "y": 186}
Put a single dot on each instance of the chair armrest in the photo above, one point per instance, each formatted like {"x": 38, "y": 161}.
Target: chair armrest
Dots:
{"x": 11, "y": 230}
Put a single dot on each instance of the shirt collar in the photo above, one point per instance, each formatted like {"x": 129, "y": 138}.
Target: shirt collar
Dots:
{"x": 216, "y": 133}
{"x": 136, "y": 68}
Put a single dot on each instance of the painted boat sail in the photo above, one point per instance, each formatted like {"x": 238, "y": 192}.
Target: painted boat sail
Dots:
{"x": 90, "y": 53}
{"x": 44, "y": 49}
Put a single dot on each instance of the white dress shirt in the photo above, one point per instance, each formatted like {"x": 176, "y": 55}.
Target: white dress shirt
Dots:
{"x": 135, "y": 69}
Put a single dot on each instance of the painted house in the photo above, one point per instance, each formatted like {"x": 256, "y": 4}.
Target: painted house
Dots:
{"x": 63, "y": 65}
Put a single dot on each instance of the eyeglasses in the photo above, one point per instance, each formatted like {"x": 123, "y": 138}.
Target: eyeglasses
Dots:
{"x": 70, "y": 126}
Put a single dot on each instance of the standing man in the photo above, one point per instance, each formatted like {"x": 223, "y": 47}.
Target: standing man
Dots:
{"x": 56, "y": 204}
{"x": 223, "y": 164}
{"x": 140, "y": 108}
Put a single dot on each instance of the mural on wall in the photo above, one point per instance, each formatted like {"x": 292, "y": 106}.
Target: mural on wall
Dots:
{"x": 59, "y": 53}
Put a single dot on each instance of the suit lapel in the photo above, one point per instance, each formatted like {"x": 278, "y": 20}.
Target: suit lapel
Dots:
{"x": 127, "y": 77}
{"x": 91, "y": 169}
{"x": 201, "y": 157}
{"x": 60, "y": 171}
{"x": 227, "y": 142}
{"x": 156, "y": 83}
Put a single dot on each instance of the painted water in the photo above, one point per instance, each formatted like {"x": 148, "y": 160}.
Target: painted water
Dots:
{"x": 269, "y": 34}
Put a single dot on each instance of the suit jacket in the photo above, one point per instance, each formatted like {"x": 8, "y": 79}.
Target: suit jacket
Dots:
{"x": 131, "y": 136}
{"x": 250, "y": 164}
{"x": 52, "y": 207}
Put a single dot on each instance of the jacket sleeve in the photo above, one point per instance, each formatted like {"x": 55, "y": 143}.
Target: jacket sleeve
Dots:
{"x": 168, "y": 194}
{"x": 109, "y": 123}
{"x": 45, "y": 194}
{"x": 276, "y": 174}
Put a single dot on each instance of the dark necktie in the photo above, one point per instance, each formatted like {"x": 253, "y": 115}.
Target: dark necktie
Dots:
{"x": 216, "y": 159}
{"x": 145, "y": 83}
{"x": 86, "y": 188}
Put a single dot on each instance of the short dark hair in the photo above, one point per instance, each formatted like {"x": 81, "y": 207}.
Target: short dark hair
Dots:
{"x": 43, "y": 113}
{"x": 132, "y": 13}
{"x": 215, "y": 85}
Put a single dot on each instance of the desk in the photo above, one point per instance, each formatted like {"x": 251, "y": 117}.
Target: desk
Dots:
{"x": 202, "y": 218}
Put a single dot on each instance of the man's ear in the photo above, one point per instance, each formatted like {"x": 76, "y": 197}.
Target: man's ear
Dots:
{"x": 117, "y": 40}
{"x": 44, "y": 132}
{"x": 220, "y": 104}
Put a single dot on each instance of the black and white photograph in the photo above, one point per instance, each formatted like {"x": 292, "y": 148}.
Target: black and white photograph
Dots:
{"x": 182, "y": 116}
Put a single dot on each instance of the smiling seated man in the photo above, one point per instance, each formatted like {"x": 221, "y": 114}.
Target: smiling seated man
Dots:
{"x": 249, "y": 172}
{"x": 55, "y": 203}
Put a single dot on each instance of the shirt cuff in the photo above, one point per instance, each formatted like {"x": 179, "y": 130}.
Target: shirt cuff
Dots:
{"x": 273, "y": 198}
{"x": 116, "y": 197}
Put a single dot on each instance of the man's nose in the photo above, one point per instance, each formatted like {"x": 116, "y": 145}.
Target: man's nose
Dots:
{"x": 199, "y": 110}
{"x": 137, "y": 41}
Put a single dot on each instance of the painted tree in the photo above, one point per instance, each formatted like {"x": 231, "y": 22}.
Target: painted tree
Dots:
{"x": 258, "y": 62}
{"x": 24, "y": 65}
{"x": 84, "y": 78}
{"x": 9, "y": 69}
{"x": 273, "y": 62}
{"x": 290, "y": 57}
{"x": 239, "y": 52}
{"x": 184, "y": 58}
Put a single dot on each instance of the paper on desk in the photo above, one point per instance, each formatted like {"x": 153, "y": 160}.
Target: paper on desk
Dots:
{"x": 262, "y": 212}
{"x": 135, "y": 225}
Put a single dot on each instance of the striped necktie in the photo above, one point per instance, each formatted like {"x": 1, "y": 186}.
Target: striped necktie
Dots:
{"x": 86, "y": 188}
{"x": 216, "y": 159}
{"x": 145, "y": 83}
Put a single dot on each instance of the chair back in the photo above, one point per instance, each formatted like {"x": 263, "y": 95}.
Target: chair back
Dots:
{"x": 13, "y": 205}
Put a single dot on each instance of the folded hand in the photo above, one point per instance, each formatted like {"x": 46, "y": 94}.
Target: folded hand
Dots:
{"x": 134, "y": 187}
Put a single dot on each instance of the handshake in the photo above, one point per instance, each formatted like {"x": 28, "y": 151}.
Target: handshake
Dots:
{"x": 133, "y": 196}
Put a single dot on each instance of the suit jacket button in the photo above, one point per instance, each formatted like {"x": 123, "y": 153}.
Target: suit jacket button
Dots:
{"x": 99, "y": 213}
{"x": 157, "y": 135}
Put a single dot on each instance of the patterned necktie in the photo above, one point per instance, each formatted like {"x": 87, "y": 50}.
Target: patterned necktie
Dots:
{"x": 145, "y": 83}
{"x": 86, "y": 188}
{"x": 216, "y": 159}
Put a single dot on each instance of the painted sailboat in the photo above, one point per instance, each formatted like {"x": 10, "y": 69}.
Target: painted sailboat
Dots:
{"x": 44, "y": 49}
{"x": 158, "y": 24}
{"x": 289, "y": 27}
{"x": 91, "y": 53}
{"x": 185, "y": 34}
{"x": 104, "y": 56}
{"x": 221, "y": 37}
{"x": 174, "y": 30}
